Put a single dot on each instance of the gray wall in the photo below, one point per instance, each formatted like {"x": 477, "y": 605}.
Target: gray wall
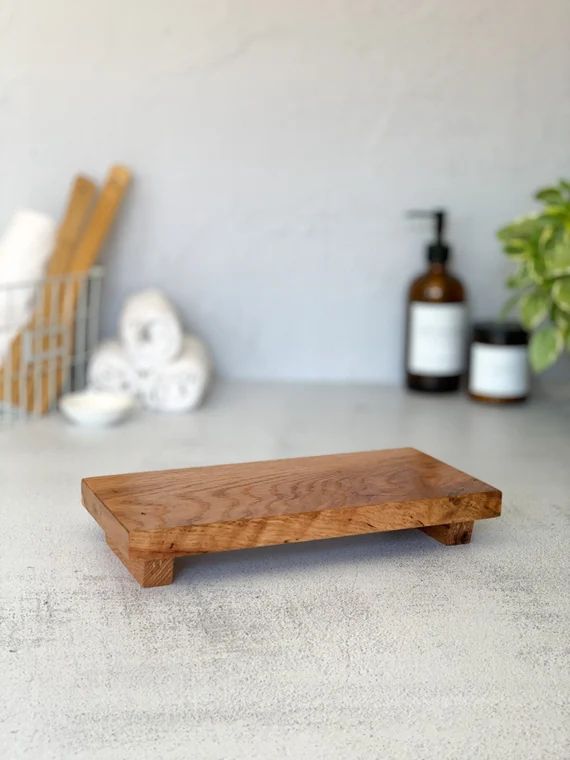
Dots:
{"x": 277, "y": 144}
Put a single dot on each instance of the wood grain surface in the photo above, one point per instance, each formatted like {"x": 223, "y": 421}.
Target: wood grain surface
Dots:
{"x": 160, "y": 515}
{"x": 151, "y": 572}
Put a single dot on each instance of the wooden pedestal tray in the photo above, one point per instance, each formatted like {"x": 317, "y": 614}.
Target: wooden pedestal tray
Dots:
{"x": 150, "y": 518}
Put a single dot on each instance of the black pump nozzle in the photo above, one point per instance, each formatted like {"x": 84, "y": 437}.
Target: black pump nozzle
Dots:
{"x": 438, "y": 251}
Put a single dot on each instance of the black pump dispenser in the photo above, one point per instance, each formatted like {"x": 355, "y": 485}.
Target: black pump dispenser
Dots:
{"x": 437, "y": 251}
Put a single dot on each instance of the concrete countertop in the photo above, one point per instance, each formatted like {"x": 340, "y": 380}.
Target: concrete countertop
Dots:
{"x": 379, "y": 646}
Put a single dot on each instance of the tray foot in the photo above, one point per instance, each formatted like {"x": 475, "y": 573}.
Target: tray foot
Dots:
{"x": 148, "y": 572}
{"x": 450, "y": 534}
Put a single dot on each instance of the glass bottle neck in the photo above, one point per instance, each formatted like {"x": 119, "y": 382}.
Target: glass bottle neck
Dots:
{"x": 437, "y": 267}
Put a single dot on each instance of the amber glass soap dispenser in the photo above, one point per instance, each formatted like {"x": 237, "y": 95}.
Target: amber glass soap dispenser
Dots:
{"x": 436, "y": 320}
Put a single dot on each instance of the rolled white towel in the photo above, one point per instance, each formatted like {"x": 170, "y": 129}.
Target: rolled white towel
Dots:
{"x": 150, "y": 329}
{"x": 25, "y": 248}
{"x": 109, "y": 369}
{"x": 180, "y": 385}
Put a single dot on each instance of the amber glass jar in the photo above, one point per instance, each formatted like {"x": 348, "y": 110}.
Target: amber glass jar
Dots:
{"x": 498, "y": 367}
{"x": 435, "y": 325}
{"x": 435, "y": 345}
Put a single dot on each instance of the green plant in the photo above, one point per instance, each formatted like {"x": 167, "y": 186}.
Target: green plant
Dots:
{"x": 539, "y": 244}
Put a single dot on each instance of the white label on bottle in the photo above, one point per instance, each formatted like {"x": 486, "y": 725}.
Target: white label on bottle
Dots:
{"x": 436, "y": 339}
{"x": 498, "y": 371}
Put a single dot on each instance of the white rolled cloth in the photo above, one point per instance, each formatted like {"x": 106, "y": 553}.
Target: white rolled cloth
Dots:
{"x": 150, "y": 329}
{"x": 179, "y": 385}
{"x": 25, "y": 248}
{"x": 109, "y": 369}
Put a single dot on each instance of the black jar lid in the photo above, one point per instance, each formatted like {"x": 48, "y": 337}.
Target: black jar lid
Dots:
{"x": 500, "y": 333}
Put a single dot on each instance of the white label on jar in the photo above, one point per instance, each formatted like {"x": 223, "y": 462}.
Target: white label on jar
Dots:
{"x": 436, "y": 339}
{"x": 498, "y": 371}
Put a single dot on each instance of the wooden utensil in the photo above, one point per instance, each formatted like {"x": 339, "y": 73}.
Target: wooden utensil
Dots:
{"x": 20, "y": 377}
{"x": 82, "y": 197}
{"x": 81, "y": 257}
{"x": 42, "y": 385}
{"x": 99, "y": 226}
{"x": 151, "y": 518}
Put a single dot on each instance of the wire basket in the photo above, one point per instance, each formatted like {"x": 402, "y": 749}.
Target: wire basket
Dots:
{"x": 47, "y": 355}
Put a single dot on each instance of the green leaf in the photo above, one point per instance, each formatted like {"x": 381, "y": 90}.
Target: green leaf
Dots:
{"x": 561, "y": 293}
{"x": 549, "y": 195}
{"x": 557, "y": 260}
{"x": 517, "y": 247}
{"x": 546, "y": 237}
{"x": 560, "y": 210}
{"x": 545, "y": 347}
{"x": 520, "y": 279}
{"x": 526, "y": 228}
{"x": 504, "y": 233}
{"x": 536, "y": 270}
{"x": 508, "y": 306}
{"x": 560, "y": 318}
{"x": 534, "y": 308}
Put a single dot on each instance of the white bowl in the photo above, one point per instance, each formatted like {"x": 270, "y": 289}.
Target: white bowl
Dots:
{"x": 96, "y": 408}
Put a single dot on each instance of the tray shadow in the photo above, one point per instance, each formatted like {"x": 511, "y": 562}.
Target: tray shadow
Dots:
{"x": 306, "y": 556}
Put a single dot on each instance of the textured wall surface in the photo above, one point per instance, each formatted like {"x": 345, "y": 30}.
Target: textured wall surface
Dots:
{"x": 276, "y": 146}
{"x": 379, "y": 647}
